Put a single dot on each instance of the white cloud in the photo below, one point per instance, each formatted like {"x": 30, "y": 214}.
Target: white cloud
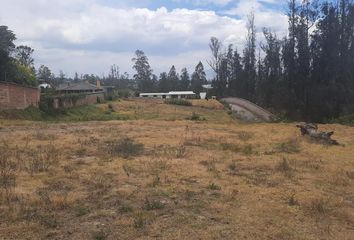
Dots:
{"x": 88, "y": 36}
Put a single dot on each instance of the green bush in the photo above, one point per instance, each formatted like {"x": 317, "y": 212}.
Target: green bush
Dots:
{"x": 180, "y": 102}
{"x": 196, "y": 117}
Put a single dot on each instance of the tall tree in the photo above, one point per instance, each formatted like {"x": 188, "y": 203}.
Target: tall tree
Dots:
{"x": 235, "y": 84}
{"x": 44, "y": 74}
{"x": 143, "y": 76}
{"x": 24, "y": 56}
{"x": 173, "y": 79}
{"x": 249, "y": 58}
{"x": 198, "y": 78}
{"x": 185, "y": 80}
{"x": 7, "y": 46}
{"x": 163, "y": 82}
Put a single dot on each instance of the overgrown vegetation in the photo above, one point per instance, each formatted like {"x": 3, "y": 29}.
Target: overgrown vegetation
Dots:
{"x": 75, "y": 114}
{"x": 180, "y": 102}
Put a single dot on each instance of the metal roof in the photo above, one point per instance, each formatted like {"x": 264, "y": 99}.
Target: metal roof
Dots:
{"x": 80, "y": 86}
{"x": 169, "y": 93}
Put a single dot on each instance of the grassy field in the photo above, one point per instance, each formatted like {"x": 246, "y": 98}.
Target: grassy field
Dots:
{"x": 157, "y": 174}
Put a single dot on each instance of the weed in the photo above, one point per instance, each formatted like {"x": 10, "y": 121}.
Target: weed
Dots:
{"x": 285, "y": 167}
{"x": 293, "y": 201}
{"x": 247, "y": 149}
{"x": 110, "y": 107}
{"x": 232, "y": 167}
{"x": 230, "y": 147}
{"x": 350, "y": 175}
{"x": 80, "y": 152}
{"x": 210, "y": 165}
{"x": 181, "y": 151}
{"x": 44, "y": 136}
{"x": 244, "y": 136}
{"x": 180, "y": 102}
{"x": 81, "y": 211}
{"x": 156, "y": 181}
{"x": 125, "y": 209}
{"x": 139, "y": 220}
{"x": 196, "y": 117}
{"x": 214, "y": 187}
{"x": 290, "y": 146}
{"x": 125, "y": 148}
{"x": 42, "y": 159}
{"x": 153, "y": 205}
{"x": 7, "y": 172}
{"x": 100, "y": 235}
{"x": 48, "y": 220}
{"x": 319, "y": 206}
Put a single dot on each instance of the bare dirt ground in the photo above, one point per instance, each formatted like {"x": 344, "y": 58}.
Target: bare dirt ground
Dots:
{"x": 164, "y": 177}
{"x": 248, "y": 111}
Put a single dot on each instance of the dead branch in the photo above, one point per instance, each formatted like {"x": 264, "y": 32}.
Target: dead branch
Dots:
{"x": 311, "y": 130}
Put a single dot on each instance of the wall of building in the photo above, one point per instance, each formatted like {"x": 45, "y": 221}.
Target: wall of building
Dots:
{"x": 13, "y": 96}
{"x": 87, "y": 99}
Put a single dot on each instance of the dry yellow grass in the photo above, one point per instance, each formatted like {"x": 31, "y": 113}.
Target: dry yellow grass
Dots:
{"x": 212, "y": 179}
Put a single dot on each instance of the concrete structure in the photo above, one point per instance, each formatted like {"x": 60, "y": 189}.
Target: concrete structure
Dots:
{"x": 179, "y": 95}
{"x": 85, "y": 99}
{"x": 14, "y": 96}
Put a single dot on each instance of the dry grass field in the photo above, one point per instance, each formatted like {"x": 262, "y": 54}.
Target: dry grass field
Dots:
{"x": 164, "y": 174}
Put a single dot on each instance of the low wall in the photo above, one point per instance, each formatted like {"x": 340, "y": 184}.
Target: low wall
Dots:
{"x": 13, "y": 96}
{"x": 87, "y": 99}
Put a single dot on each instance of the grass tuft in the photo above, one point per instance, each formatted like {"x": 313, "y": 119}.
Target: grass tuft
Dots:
{"x": 126, "y": 148}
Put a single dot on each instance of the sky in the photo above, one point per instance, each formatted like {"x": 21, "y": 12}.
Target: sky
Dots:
{"x": 88, "y": 36}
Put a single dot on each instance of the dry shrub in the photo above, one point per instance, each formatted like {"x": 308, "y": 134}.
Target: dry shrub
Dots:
{"x": 125, "y": 148}
{"x": 42, "y": 158}
{"x": 7, "y": 172}
{"x": 289, "y": 146}
{"x": 285, "y": 167}
{"x": 41, "y": 136}
{"x": 244, "y": 136}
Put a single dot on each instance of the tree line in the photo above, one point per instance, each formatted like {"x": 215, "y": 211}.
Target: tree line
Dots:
{"x": 307, "y": 75}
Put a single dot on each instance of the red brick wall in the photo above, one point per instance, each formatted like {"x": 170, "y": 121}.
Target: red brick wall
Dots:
{"x": 14, "y": 96}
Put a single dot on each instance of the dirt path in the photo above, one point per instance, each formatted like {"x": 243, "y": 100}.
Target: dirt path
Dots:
{"x": 248, "y": 111}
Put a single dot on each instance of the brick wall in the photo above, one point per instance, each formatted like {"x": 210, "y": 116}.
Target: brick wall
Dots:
{"x": 87, "y": 100}
{"x": 13, "y": 96}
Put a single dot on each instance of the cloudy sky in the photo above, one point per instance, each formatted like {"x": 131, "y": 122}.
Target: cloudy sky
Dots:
{"x": 87, "y": 36}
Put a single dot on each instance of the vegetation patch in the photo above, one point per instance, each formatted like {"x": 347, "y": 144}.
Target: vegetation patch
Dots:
{"x": 126, "y": 148}
{"x": 180, "y": 102}
{"x": 196, "y": 117}
{"x": 289, "y": 146}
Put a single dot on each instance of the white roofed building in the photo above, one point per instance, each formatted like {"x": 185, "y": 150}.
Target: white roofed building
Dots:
{"x": 178, "y": 94}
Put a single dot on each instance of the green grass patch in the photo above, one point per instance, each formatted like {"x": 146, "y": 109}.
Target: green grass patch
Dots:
{"x": 75, "y": 114}
{"x": 180, "y": 102}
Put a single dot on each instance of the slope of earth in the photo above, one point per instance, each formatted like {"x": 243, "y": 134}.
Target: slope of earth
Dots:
{"x": 248, "y": 111}
{"x": 160, "y": 176}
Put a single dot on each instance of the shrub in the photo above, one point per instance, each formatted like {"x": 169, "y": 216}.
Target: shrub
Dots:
{"x": 284, "y": 166}
{"x": 180, "y": 102}
{"x": 153, "y": 205}
{"x": 213, "y": 186}
{"x": 125, "y": 209}
{"x": 196, "y": 117}
{"x": 100, "y": 235}
{"x": 126, "y": 148}
{"x": 7, "y": 170}
{"x": 42, "y": 159}
{"x": 290, "y": 146}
